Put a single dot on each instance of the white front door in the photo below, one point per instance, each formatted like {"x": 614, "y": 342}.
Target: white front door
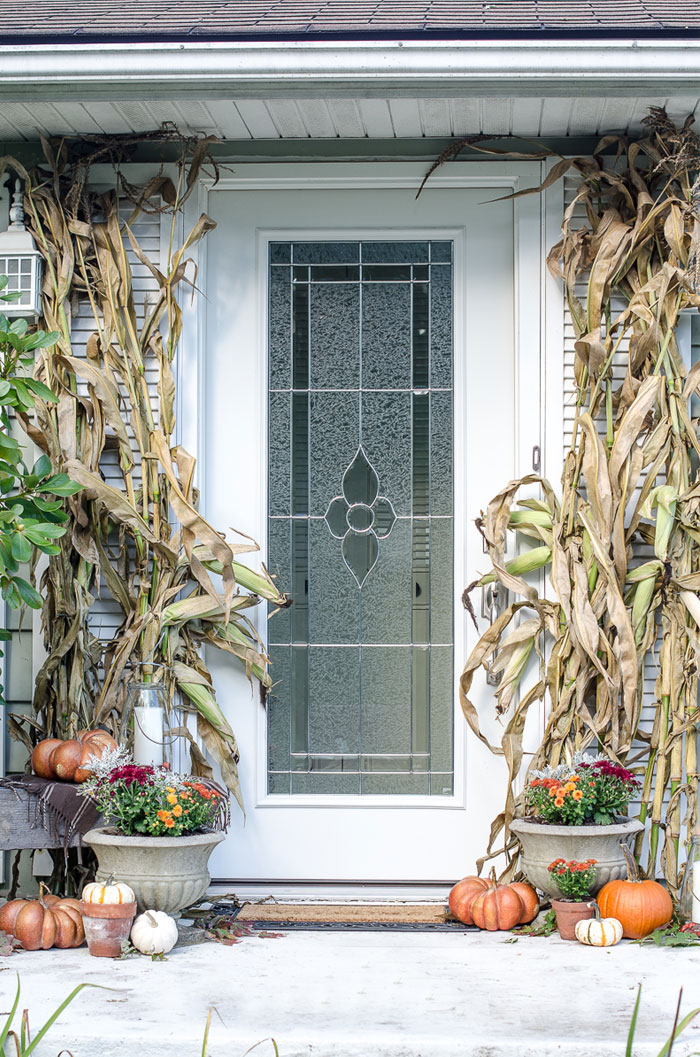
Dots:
{"x": 359, "y": 410}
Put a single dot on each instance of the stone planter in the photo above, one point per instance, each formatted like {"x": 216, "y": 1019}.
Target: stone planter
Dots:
{"x": 166, "y": 873}
{"x": 568, "y": 913}
{"x": 542, "y": 844}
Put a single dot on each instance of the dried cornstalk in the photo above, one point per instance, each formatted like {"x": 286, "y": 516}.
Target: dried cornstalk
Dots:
{"x": 140, "y": 538}
{"x": 622, "y": 543}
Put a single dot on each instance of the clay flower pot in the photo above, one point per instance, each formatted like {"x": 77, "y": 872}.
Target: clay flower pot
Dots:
{"x": 107, "y": 927}
{"x": 569, "y": 913}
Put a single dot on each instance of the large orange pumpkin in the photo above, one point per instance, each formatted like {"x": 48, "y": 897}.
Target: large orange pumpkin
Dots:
{"x": 531, "y": 903}
{"x": 461, "y": 896}
{"x": 499, "y": 907}
{"x": 67, "y": 760}
{"x": 39, "y": 924}
{"x": 639, "y": 906}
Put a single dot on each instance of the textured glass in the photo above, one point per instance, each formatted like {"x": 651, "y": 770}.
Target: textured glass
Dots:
{"x": 386, "y": 439}
{"x": 279, "y": 703}
{"x": 335, "y": 439}
{"x": 279, "y": 626}
{"x": 386, "y": 691}
{"x": 440, "y": 453}
{"x": 361, "y": 436}
{"x": 441, "y": 327}
{"x": 334, "y": 600}
{"x": 386, "y": 593}
{"x": 326, "y": 252}
{"x": 279, "y": 436}
{"x": 386, "y": 335}
{"x": 335, "y": 336}
{"x": 441, "y": 719}
{"x": 390, "y": 252}
{"x": 334, "y": 700}
{"x": 280, "y": 349}
{"x": 441, "y": 251}
{"x": 280, "y": 253}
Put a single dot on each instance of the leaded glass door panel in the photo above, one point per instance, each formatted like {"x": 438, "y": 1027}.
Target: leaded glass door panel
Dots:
{"x": 360, "y": 419}
{"x": 359, "y": 350}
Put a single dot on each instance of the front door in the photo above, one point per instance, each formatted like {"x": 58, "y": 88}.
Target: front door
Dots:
{"x": 359, "y": 363}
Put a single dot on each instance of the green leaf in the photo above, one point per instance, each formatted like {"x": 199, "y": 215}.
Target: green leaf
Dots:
{"x": 42, "y": 466}
{"x": 633, "y": 1024}
{"x": 27, "y": 593}
{"x": 21, "y": 547}
{"x": 60, "y": 484}
{"x": 39, "y": 389}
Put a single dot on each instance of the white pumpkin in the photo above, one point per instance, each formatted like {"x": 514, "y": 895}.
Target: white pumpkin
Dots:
{"x": 99, "y": 892}
{"x": 599, "y": 932}
{"x": 154, "y": 932}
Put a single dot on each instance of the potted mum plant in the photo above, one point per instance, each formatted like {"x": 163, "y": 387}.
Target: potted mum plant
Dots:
{"x": 577, "y": 811}
{"x": 160, "y": 829}
{"x": 574, "y": 881}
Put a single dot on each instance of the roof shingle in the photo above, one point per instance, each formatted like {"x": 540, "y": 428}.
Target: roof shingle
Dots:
{"x": 84, "y": 20}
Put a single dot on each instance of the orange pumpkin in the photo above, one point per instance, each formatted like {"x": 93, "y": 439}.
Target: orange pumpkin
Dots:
{"x": 531, "y": 903}
{"x": 461, "y": 896}
{"x": 39, "y": 924}
{"x": 41, "y": 757}
{"x": 639, "y": 906}
{"x": 498, "y": 908}
{"x": 66, "y": 760}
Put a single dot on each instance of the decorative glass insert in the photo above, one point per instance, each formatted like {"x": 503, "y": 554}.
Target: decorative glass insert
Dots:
{"x": 360, "y": 517}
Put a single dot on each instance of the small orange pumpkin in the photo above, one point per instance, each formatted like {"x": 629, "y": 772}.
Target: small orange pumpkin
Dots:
{"x": 498, "y": 908}
{"x": 639, "y": 906}
{"x": 461, "y": 896}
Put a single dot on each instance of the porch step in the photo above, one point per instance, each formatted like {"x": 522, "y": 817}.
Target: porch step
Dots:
{"x": 355, "y": 994}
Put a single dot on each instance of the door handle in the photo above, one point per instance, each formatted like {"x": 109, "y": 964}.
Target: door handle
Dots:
{"x": 494, "y": 599}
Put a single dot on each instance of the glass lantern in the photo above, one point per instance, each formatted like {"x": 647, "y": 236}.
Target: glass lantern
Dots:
{"x": 690, "y": 889}
{"x": 153, "y": 726}
{"x": 21, "y": 262}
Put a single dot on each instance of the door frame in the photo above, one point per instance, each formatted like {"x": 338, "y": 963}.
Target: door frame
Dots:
{"x": 529, "y": 274}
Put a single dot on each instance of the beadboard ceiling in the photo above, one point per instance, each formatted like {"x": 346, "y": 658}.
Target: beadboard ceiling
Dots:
{"x": 338, "y": 118}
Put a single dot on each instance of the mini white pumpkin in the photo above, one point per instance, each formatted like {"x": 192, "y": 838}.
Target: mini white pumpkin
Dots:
{"x": 154, "y": 932}
{"x": 599, "y": 932}
{"x": 101, "y": 892}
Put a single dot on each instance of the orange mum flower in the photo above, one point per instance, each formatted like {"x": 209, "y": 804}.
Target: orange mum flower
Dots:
{"x": 561, "y": 791}
{"x": 168, "y": 822}
{"x": 177, "y": 811}
{"x": 577, "y": 794}
{"x": 552, "y": 791}
{"x": 559, "y": 802}
{"x": 172, "y": 799}
{"x": 569, "y": 787}
{"x": 164, "y": 816}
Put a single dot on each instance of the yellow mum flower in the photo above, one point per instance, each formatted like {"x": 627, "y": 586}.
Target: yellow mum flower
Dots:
{"x": 172, "y": 799}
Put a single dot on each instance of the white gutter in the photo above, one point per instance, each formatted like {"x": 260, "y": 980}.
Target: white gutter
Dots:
{"x": 359, "y": 68}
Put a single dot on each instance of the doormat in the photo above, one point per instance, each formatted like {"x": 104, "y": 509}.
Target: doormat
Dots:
{"x": 399, "y": 917}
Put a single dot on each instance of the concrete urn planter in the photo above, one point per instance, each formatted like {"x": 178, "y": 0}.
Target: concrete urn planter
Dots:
{"x": 166, "y": 873}
{"x": 542, "y": 844}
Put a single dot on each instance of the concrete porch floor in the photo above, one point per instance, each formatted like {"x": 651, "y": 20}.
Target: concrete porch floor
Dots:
{"x": 363, "y": 994}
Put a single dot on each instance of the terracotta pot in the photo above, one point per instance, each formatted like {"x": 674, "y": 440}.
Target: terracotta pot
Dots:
{"x": 107, "y": 927}
{"x": 569, "y": 913}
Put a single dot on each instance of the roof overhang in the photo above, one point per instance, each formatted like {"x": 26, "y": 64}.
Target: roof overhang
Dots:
{"x": 356, "y": 68}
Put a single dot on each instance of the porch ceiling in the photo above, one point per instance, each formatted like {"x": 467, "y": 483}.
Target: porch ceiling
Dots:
{"x": 342, "y": 118}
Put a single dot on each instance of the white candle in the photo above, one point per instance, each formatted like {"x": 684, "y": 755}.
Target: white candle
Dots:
{"x": 148, "y": 735}
{"x": 696, "y": 891}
